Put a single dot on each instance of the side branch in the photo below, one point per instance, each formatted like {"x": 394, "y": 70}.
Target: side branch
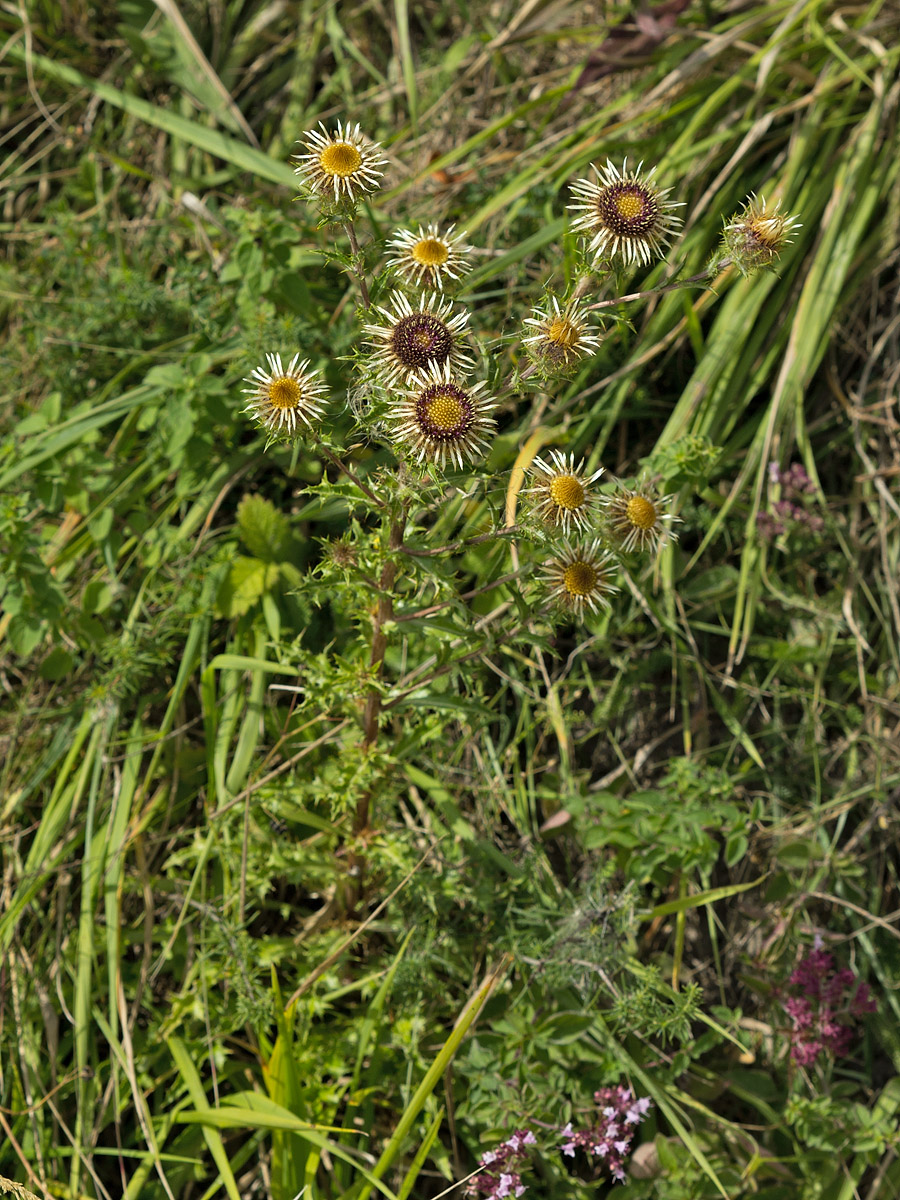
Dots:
{"x": 661, "y": 291}
{"x": 351, "y": 475}
{"x": 464, "y": 545}
{"x": 357, "y": 265}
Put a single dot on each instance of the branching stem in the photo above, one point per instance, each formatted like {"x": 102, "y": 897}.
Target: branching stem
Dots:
{"x": 358, "y": 270}
{"x": 342, "y": 466}
{"x": 433, "y": 608}
{"x": 463, "y": 545}
{"x": 661, "y": 291}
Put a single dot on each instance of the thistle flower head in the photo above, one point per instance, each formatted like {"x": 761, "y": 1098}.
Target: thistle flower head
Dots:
{"x": 562, "y": 494}
{"x": 282, "y": 397}
{"x": 561, "y": 335}
{"x": 428, "y": 257}
{"x": 340, "y": 165}
{"x": 582, "y": 577}
{"x": 439, "y": 419}
{"x": 638, "y": 519}
{"x": 411, "y": 338}
{"x": 755, "y": 237}
{"x": 624, "y": 213}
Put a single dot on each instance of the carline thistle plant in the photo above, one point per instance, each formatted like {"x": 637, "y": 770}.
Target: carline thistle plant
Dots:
{"x": 421, "y": 390}
{"x": 418, "y": 356}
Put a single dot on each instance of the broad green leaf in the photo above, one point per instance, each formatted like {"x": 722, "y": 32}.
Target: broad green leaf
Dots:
{"x": 265, "y": 531}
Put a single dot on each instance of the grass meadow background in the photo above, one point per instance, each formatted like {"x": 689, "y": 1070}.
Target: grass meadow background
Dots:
{"x": 595, "y": 852}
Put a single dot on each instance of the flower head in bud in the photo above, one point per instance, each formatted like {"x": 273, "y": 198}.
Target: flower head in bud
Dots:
{"x": 439, "y": 419}
{"x": 428, "y": 257}
{"x": 562, "y": 493}
{"x": 412, "y": 338}
{"x": 341, "y": 552}
{"x": 282, "y": 397}
{"x": 637, "y": 519}
{"x": 582, "y": 577}
{"x": 561, "y": 335}
{"x": 624, "y": 213}
{"x": 754, "y": 238}
{"x": 340, "y": 165}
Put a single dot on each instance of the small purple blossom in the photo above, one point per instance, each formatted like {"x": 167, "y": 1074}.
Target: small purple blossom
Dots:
{"x": 793, "y": 481}
{"x": 789, "y": 511}
{"x": 610, "y": 1138}
{"x": 500, "y": 1176}
{"x": 822, "y": 1015}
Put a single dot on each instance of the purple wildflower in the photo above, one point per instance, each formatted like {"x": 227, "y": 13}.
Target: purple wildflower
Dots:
{"x": 822, "y": 1015}
{"x": 768, "y": 527}
{"x": 610, "y": 1138}
{"x": 500, "y": 1176}
{"x": 789, "y": 511}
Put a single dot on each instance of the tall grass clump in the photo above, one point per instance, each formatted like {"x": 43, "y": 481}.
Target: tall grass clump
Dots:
{"x": 449, "y": 556}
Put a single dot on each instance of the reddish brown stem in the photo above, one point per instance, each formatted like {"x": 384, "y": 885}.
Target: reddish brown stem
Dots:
{"x": 342, "y": 466}
{"x": 582, "y": 287}
{"x": 661, "y": 291}
{"x": 383, "y": 613}
{"x": 454, "y": 546}
{"x": 487, "y": 587}
{"x": 513, "y": 379}
{"x": 357, "y": 265}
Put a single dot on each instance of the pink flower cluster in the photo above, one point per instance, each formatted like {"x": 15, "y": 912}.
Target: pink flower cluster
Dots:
{"x": 788, "y": 513}
{"x": 610, "y": 1138}
{"x": 828, "y": 1003}
{"x": 500, "y": 1168}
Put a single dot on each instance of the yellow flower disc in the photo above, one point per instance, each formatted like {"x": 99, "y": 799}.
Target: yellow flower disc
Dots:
{"x": 630, "y": 204}
{"x": 445, "y": 411}
{"x": 429, "y": 252}
{"x": 567, "y": 492}
{"x": 284, "y": 392}
{"x": 641, "y": 512}
{"x": 579, "y": 579}
{"x": 562, "y": 332}
{"x": 340, "y": 158}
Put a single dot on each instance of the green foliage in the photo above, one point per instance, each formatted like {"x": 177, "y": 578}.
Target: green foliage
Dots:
{"x": 682, "y": 827}
{"x": 228, "y": 911}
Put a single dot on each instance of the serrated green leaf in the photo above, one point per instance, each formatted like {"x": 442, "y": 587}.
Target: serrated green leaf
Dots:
{"x": 264, "y": 530}
{"x": 246, "y": 581}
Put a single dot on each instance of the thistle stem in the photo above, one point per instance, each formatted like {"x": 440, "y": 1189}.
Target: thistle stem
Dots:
{"x": 487, "y": 587}
{"x": 351, "y": 475}
{"x": 383, "y": 613}
{"x": 512, "y": 379}
{"x": 357, "y": 264}
{"x": 463, "y": 545}
{"x": 661, "y": 291}
{"x": 582, "y": 287}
